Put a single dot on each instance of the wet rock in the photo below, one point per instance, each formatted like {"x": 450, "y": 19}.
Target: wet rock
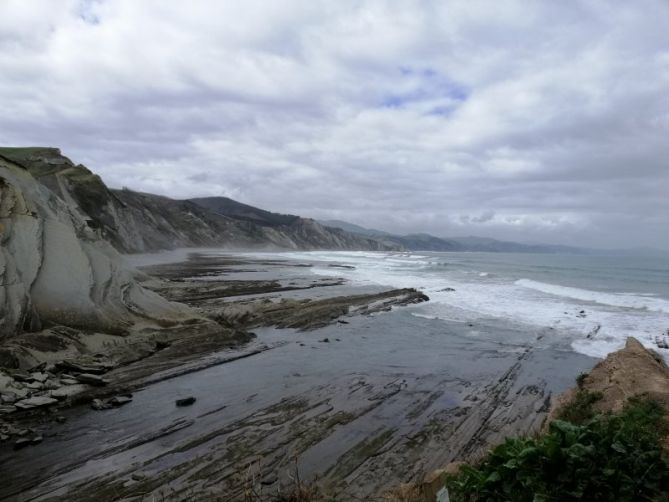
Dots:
{"x": 269, "y": 480}
{"x": 161, "y": 345}
{"x": 51, "y": 385}
{"x": 8, "y": 398}
{"x": 98, "y": 405}
{"x": 341, "y": 321}
{"x": 186, "y": 401}
{"x": 39, "y": 377}
{"x": 6, "y": 409}
{"x": 69, "y": 381}
{"x": 34, "y": 386}
{"x": 4, "y": 437}
{"x": 138, "y": 476}
{"x": 5, "y": 382}
{"x": 59, "y": 394}
{"x": 36, "y": 440}
{"x": 61, "y": 419}
{"x": 22, "y": 443}
{"x": 119, "y": 400}
{"x": 20, "y": 393}
{"x": 91, "y": 379}
{"x": 447, "y": 290}
{"x": 67, "y": 391}
{"x": 35, "y": 402}
{"x": 20, "y": 376}
{"x": 94, "y": 368}
{"x": 325, "y": 340}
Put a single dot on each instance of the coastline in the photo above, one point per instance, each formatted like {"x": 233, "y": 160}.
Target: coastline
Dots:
{"x": 387, "y": 393}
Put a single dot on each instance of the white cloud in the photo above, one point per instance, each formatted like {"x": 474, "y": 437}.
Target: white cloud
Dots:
{"x": 413, "y": 116}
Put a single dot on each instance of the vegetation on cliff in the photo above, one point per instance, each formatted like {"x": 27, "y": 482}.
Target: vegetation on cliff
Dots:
{"x": 607, "y": 439}
{"x": 607, "y": 457}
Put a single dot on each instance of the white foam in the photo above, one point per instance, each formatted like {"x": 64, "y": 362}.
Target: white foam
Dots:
{"x": 481, "y": 295}
{"x": 625, "y": 300}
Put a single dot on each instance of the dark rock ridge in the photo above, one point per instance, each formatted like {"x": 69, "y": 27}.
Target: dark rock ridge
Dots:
{"x": 136, "y": 222}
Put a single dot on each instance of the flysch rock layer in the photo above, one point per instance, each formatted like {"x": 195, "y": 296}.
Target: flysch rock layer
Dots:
{"x": 56, "y": 270}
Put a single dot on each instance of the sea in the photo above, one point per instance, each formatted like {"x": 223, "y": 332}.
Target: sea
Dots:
{"x": 592, "y": 302}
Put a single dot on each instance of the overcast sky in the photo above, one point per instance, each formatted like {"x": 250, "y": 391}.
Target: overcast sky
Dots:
{"x": 537, "y": 121}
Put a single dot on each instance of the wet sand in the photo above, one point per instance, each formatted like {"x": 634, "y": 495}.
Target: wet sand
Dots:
{"x": 386, "y": 399}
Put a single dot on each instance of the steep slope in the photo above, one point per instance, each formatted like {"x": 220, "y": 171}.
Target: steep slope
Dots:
{"x": 239, "y": 211}
{"x": 139, "y": 222}
{"x": 290, "y": 231}
{"x": 57, "y": 270}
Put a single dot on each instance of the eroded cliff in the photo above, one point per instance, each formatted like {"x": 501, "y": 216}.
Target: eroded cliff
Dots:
{"x": 55, "y": 269}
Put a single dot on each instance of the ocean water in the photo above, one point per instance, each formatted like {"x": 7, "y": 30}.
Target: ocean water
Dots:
{"x": 593, "y": 302}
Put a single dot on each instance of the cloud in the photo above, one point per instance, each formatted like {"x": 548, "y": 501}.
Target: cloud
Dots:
{"x": 530, "y": 121}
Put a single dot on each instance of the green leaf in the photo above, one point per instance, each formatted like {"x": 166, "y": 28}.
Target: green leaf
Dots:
{"x": 494, "y": 477}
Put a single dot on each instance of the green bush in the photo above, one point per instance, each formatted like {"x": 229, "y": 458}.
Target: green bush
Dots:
{"x": 608, "y": 458}
{"x": 579, "y": 410}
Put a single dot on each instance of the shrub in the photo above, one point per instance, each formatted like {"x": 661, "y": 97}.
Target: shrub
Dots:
{"x": 609, "y": 457}
{"x": 579, "y": 410}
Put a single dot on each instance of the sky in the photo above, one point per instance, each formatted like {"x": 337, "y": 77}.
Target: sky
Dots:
{"x": 534, "y": 121}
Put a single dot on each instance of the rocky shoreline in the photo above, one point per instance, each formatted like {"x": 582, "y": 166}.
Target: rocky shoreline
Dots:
{"x": 314, "y": 375}
{"x": 102, "y": 369}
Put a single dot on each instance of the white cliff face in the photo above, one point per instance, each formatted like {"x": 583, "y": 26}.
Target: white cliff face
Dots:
{"x": 54, "y": 269}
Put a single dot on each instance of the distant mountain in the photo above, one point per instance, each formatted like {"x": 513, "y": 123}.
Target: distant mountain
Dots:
{"x": 427, "y": 242}
{"x": 492, "y": 245}
{"x": 353, "y": 228}
{"x": 136, "y": 222}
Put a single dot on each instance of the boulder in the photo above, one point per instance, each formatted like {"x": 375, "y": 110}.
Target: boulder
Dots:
{"x": 51, "y": 385}
{"x": 91, "y": 379}
{"x": 39, "y": 377}
{"x": 98, "y": 405}
{"x": 186, "y": 401}
{"x": 8, "y": 398}
{"x": 77, "y": 367}
{"x": 119, "y": 400}
{"x": 35, "y": 402}
{"x": 67, "y": 392}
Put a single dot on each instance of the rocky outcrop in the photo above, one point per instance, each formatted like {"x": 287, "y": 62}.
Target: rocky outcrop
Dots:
{"x": 630, "y": 372}
{"x": 55, "y": 269}
{"x": 136, "y": 222}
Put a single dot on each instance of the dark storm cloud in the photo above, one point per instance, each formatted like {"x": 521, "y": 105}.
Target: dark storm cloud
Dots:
{"x": 536, "y": 121}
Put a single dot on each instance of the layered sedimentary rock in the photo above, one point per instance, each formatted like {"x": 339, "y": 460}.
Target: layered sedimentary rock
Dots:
{"x": 56, "y": 269}
{"x": 139, "y": 222}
